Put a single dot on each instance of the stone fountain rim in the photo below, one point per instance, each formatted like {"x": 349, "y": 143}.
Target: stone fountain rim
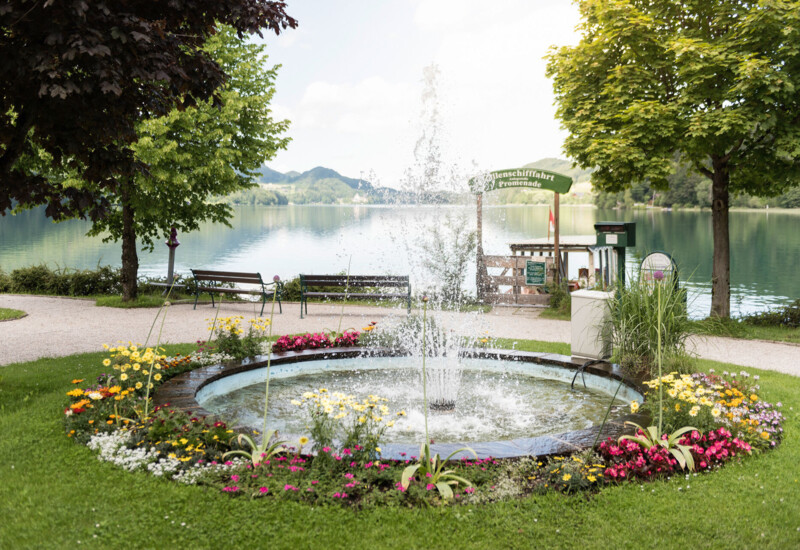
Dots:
{"x": 180, "y": 393}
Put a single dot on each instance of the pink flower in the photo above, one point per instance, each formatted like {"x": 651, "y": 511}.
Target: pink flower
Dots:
{"x": 230, "y": 489}
{"x": 430, "y": 487}
{"x": 263, "y": 490}
{"x": 234, "y": 477}
{"x": 288, "y": 487}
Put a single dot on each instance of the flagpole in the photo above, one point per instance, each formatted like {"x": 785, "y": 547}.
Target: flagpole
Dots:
{"x": 555, "y": 239}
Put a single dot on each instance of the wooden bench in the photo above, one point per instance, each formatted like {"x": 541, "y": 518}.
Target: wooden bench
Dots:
{"x": 210, "y": 281}
{"x": 307, "y": 282}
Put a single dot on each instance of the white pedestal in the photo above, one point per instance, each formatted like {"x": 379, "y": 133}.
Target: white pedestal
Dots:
{"x": 590, "y": 331}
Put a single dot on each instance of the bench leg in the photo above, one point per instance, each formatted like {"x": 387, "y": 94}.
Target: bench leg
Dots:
{"x": 196, "y": 297}
{"x": 212, "y": 299}
{"x": 280, "y": 307}
{"x": 263, "y": 303}
{"x": 301, "y": 307}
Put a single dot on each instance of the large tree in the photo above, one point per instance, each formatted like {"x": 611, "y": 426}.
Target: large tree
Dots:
{"x": 76, "y": 76}
{"x": 717, "y": 82}
{"x": 195, "y": 154}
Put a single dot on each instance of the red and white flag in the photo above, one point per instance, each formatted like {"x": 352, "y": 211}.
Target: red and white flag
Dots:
{"x": 551, "y": 228}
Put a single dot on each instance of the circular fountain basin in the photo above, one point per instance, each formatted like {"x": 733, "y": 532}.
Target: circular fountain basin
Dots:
{"x": 507, "y": 404}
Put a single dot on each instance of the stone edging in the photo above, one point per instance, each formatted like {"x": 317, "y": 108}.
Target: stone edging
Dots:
{"x": 180, "y": 391}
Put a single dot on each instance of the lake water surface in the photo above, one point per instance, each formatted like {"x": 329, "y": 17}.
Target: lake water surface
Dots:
{"x": 765, "y": 245}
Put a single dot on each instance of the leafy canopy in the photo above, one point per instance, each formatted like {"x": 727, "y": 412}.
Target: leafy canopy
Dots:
{"x": 716, "y": 81}
{"x": 76, "y": 78}
{"x": 203, "y": 151}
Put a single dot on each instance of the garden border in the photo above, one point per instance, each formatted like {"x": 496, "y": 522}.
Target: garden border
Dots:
{"x": 180, "y": 393}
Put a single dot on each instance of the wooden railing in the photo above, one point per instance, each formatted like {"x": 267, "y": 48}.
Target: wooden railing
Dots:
{"x": 509, "y": 286}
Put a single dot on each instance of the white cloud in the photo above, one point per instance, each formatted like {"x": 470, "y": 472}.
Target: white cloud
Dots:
{"x": 497, "y": 103}
{"x": 373, "y": 104}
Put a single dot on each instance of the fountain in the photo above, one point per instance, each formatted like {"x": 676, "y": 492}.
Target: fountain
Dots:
{"x": 500, "y": 402}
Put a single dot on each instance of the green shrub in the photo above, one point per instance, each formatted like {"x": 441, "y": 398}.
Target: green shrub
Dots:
{"x": 40, "y": 279}
{"x": 36, "y": 279}
{"x": 560, "y": 298}
{"x": 787, "y": 316}
{"x": 5, "y": 282}
{"x": 634, "y": 327}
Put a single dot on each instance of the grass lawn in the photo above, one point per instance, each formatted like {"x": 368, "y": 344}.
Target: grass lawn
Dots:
{"x": 7, "y": 314}
{"x": 734, "y": 328}
{"x": 56, "y": 494}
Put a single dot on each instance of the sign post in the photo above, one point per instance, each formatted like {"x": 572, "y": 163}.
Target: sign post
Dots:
{"x": 531, "y": 178}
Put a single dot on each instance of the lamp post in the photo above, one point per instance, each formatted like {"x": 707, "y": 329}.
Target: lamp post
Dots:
{"x": 172, "y": 243}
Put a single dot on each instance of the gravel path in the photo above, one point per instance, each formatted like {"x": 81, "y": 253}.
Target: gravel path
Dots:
{"x": 56, "y": 327}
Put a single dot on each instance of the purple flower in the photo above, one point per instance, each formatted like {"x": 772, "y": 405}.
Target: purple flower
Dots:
{"x": 276, "y": 279}
{"x": 658, "y": 275}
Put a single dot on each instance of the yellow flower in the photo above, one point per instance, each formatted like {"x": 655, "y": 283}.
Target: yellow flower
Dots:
{"x": 77, "y": 381}
{"x": 106, "y": 362}
{"x": 77, "y": 392}
{"x": 677, "y": 407}
{"x": 377, "y": 449}
{"x": 694, "y": 410}
{"x": 764, "y": 435}
{"x": 566, "y": 477}
{"x": 138, "y": 385}
{"x": 123, "y": 376}
{"x": 634, "y": 406}
{"x": 715, "y": 412}
{"x": 753, "y": 397}
{"x": 156, "y": 376}
{"x": 591, "y": 479}
{"x": 303, "y": 440}
{"x": 361, "y": 419}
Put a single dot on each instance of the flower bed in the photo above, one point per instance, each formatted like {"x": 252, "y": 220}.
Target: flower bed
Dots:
{"x": 315, "y": 341}
{"x": 112, "y": 416}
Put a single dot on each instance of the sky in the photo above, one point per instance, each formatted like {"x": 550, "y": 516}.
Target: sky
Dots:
{"x": 351, "y": 81}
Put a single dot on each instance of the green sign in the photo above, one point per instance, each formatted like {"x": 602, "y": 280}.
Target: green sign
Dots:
{"x": 522, "y": 177}
{"x": 535, "y": 272}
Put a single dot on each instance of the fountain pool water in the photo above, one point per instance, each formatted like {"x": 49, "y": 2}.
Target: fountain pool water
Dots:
{"x": 497, "y": 400}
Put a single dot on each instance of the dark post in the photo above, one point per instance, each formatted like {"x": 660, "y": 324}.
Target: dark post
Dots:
{"x": 172, "y": 243}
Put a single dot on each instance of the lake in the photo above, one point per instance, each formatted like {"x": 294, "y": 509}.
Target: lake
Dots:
{"x": 287, "y": 240}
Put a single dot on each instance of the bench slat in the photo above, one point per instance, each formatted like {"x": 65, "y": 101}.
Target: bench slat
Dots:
{"x": 225, "y": 273}
{"x": 353, "y": 295}
{"x": 380, "y": 278}
{"x": 232, "y": 290}
{"x": 231, "y": 280}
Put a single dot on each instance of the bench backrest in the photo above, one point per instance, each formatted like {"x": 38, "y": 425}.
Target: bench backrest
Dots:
{"x": 227, "y": 276}
{"x": 358, "y": 281}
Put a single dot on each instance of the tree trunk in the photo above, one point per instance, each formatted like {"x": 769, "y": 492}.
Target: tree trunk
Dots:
{"x": 721, "y": 267}
{"x": 130, "y": 260}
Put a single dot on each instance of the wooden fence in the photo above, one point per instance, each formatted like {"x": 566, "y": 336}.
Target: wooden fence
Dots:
{"x": 509, "y": 285}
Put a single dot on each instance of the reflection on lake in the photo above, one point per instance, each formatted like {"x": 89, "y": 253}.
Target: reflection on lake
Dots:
{"x": 765, "y": 246}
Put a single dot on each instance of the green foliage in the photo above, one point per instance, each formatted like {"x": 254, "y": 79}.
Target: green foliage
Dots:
{"x": 205, "y": 151}
{"x": 430, "y": 470}
{"x": 787, "y": 316}
{"x": 560, "y": 299}
{"x": 40, "y": 279}
{"x": 651, "y": 437}
{"x": 714, "y": 82}
{"x": 256, "y": 195}
{"x": 5, "y": 282}
{"x": 634, "y": 326}
{"x": 232, "y": 340}
{"x": 257, "y": 453}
